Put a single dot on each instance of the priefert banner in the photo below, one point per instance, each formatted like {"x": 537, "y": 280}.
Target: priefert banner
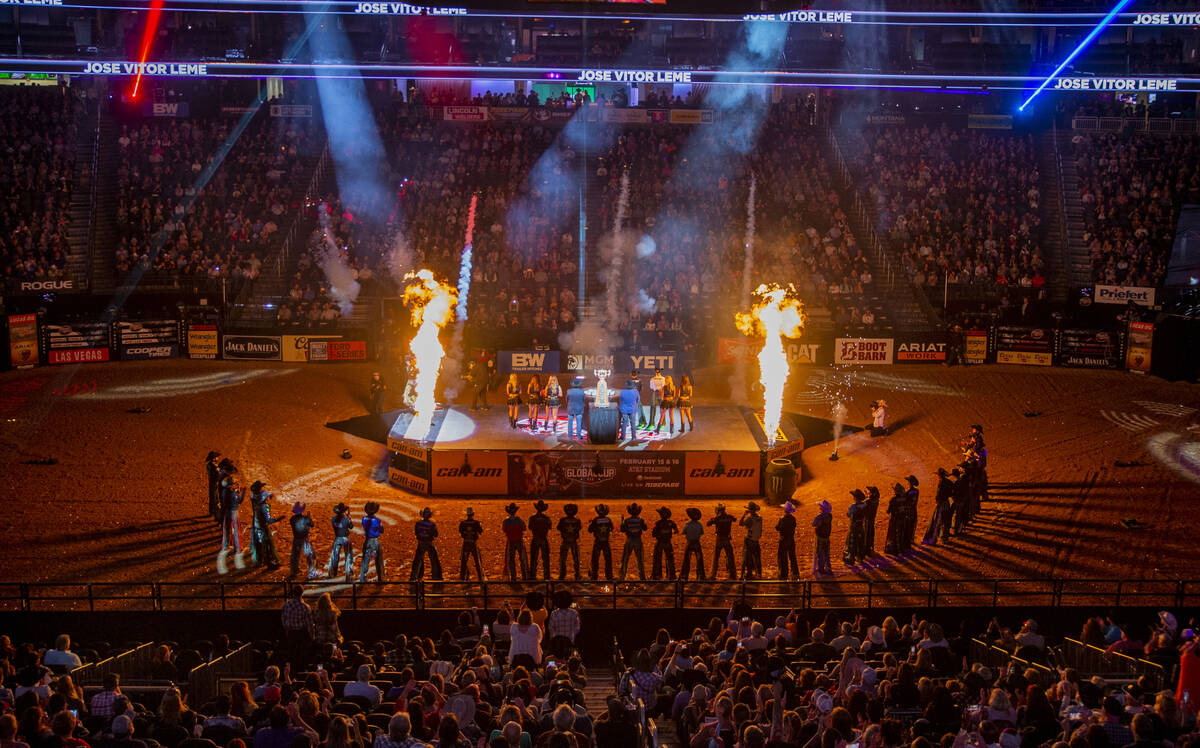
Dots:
{"x": 1139, "y": 295}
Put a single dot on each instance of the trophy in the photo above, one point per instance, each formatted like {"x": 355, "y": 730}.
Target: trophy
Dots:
{"x": 601, "y": 387}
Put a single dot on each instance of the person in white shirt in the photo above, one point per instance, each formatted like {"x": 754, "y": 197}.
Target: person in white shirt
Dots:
{"x": 847, "y": 639}
{"x": 1028, "y": 636}
{"x": 657, "y": 382}
{"x": 362, "y": 687}
{"x": 526, "y": 638}
{"x": 756, "y": 640}
{"x": 780, "y": 629}
{"x": 62, "y": 655}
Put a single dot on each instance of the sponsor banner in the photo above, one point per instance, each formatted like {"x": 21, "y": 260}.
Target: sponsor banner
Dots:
{"x": 296, "y": 347}
{"x": 408, "y": 481}
{"x": 1092, "y": 349}
{"x": 722, "y": 473}
{"x": 78, "y": 344}
{"x": 291, "y": 110}
{"x": 469, "y": 473}
{"x": 465, "y": 113}
{"x": 623, "y": 116}
{"x": 235, "y": 111}
{"x": 38, "y": 287}
{"x": 157, "y": 338}
{"x": 510, "y": 113}
{"x": 23, "y": 340}
{"x": 1139, "y": 346}
{"x": 606, "y": 472}
{"x": 798, "y": 351}
{"x": 975, "y": 346}
{"x": 863, "y": 350}
{"x": 165, "y": 109}
{"x": 337, "y": 350}
{"x": 924, "y": 350}
{"x": 252, "y": 347}
{"x": 989, "y": 121}
{"x": 1139, "y": 295}
{"x": 623, "y": 362}
{"x": 203, "y": 341}
{"x": 1028, "y": 346}
{"x": 897, "y": 120}
{"x": 691, "y": 117}
{"x": 528, "y": 362}
{"x": 552, "y": 116}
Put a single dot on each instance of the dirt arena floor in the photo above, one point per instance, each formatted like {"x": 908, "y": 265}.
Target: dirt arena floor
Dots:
{"x": 1072, "y": 454}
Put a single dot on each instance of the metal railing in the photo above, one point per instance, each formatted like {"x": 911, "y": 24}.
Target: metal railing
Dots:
{"x": 1158, "y": 125}
{"x": 810, "y": 594}
{"x": 204, "y": 680}
{"x": 1112, "y": 666}
{"x": 865, "y": 218}
{"x": 283, "y": 258}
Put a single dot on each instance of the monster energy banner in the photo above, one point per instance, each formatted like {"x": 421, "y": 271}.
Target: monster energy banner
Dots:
{"x": 1092, "y": 349}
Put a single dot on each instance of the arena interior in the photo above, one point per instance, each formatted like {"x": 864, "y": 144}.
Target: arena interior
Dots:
{"x": 599, "y": 373}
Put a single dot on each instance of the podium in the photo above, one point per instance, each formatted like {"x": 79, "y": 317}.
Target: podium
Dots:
{"x": 603, "y": 424}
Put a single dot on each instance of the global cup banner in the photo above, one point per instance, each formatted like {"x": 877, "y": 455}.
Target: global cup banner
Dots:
{"x": 469, "y": 473}
{"x": 23, "y": 340}
{"x": 148, "y": 339}
{"x": 79, "y": 343}
{"x": 863, "y": 350}
{"x": 251, "y": 347}
{"x": 609, "y": 471}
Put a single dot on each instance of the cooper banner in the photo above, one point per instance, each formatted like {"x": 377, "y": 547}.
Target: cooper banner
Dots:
{"x": 1139, "y": 347}
{"x": 252, "y": 347}
{"x": 23, "y": 340}
{"x": 203, "y": 341}
{"x": 921, "y": 350}
{"x": 1140, "y": 295}
{"x": 469, "y": 473}
{"x": 149, "y": 339}
{"x": 722, "y": 473}
{"x": 78, "y": 344}
{"x": 1028, "y": 346}
{"x": 566, "y": 473}
{"x": 528, "y": 362}
{"x": 1092, "y": 349}
{"x": 863, "y": 350}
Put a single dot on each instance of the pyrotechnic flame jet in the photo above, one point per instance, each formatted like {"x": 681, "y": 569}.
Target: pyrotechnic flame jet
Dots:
{"x": 776, "y": 314}
{"x": 432, "y": 307}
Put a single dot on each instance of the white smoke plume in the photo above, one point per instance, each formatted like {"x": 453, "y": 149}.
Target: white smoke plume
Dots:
{"x": 737, "y": 382}
{"x": 452, "y": 364}
{"x": 612, "y": 250}
{"x": 644, "y": 302}
{"x": 343, "y": 288}
{"x": 646, "y": 246}
{"x": 401, "y": 260}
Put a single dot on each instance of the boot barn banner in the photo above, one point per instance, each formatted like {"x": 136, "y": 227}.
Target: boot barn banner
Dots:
{"x": 23, "y": 340}
{"x": 1030, "y": 346}
{"x": 148, "y": 339}
{"x": 605, "y": 472}
{"x": 78, "y": 344}
{"x": 1090, "y": 349}
{"x": 863, "y": 350}
{"x": 1138, "y": 349}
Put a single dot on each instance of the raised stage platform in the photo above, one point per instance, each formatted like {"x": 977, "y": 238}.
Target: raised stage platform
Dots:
{"x": 472, "y": 453}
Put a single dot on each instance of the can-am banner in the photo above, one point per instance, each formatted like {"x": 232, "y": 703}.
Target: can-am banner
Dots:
{"x": 149, "y": 339}
{"x": 1092, "y": 349}
{"x": 79, "y": 343}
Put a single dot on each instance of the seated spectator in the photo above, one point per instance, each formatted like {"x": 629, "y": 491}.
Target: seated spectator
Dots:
{"x": 816, "y": 650}
{"x": 62, "y": 656}
{"x": 363, "y": 688}
{"x": 102, "y": 703}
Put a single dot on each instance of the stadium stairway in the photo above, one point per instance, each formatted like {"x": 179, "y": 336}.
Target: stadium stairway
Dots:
{"x": 79, "y": 225}
{"x": 1054, "y": 227}
{"x": 104, "y": 209}
{"x": 1079, "y": 268}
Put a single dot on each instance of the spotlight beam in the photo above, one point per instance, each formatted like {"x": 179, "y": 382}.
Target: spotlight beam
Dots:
{"x": 152, "y": 17}
{"x": 1104, "y": 22}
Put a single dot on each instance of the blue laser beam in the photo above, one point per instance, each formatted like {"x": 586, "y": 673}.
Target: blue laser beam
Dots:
{"x": 1120, "y": 6}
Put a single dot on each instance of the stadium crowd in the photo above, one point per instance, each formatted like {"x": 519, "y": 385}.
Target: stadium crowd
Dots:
{"x": 38, "y": 127}
{"x": 1132, "y": 189}
{"x": 962, "y": 208}
{"x": 747, "y": 680}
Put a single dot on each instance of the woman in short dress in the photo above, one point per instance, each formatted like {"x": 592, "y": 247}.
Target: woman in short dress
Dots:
{"x": 553, "y": 401}
{"x": 512, "y": 391}
{"x": 533, "y": 399}
{"x": 669, "y": 402}
{"x": 685, "y": 403}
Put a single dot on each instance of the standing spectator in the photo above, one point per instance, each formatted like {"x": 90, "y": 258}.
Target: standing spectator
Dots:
{"x": 526, "y": 640}
{"x": 564, "y": 620}
{"x": 297, "y": 627}
{"x": 325, "y": 622}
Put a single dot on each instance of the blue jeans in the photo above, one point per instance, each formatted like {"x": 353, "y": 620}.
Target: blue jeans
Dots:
{"x": 371, "y": 552}
{"x": 628, "y": 420}
{"x": 574, "y": 425}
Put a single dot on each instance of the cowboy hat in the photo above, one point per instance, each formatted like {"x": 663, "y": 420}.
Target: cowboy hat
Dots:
{"x": 571, "y": 509}
{"x": 977, "y": 427}
{"x": 752, "y": 507}
{"x": 912, "y": 480}
{"x": 426, "y": 512}
{"x": 576, "y": 380}
{"x": 693, "y": 513}
{"x": 371, "y": 507}
{"x": 227, "y": 465}
{"x": 825, "y": 507}
{"x": 875, "y": 635}
{"x": 664, "y": 511}
{"x": 211, "y": 455}
{"x": 341, "y": 508}
{"x": 511, "y": 508}
{"x": 540, "y": 506}
{"x": 470, "y": 512}
{"x": 858, "y": 495}
{"x": 257, "y": 486}
{"x": 789, "y": 507}
{"x": 635, "y": 509}
{"x": 942, "y": 472}
{"x": 873, "y": 491}
{"x": 898, "y": 487}
{"x": 720, "y": 508}
{"x": 602, "y": 509}
{"x": 298, "y": 508}
{"x": 956, "y": 472}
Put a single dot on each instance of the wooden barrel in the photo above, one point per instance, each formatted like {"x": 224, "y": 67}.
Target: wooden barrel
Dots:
{"x": 603, "y": 424}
